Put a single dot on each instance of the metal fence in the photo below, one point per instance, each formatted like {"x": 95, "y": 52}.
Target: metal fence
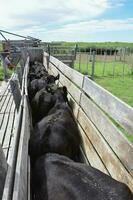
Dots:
{"x": 94, "y": 63}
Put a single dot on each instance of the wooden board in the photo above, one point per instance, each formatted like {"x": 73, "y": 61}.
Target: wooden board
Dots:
{"x": 10, "y": 107}
{"x": 73, "y": 75}
{"x": 7, "y": 193}
{"x": 16, "y": 92}
{"x": 116, "y": 140}
{"x": 2, "y": 102}
{"x": 13, "y": 135}
{"x": 91, "y": 154}
{"x": 19, "y": 73}
{"x": 45, "y": 60}
{"x": 20, "y": 184}
{"x": 28, "y": 179}
{"x": 3, "y": 127}
{"x": 72, "y": 88}
{"x": 8, "y": 134}
{"x": 113, "y": 106}
{"x": 5, "y": 105}
{"x": 26, "y": 76}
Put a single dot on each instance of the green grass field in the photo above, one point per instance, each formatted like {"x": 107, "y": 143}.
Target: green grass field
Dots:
{"x": 119, "y": 85}
{"x": 109, "y": 69}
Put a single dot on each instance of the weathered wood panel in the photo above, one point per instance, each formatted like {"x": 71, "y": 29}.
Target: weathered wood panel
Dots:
{"x": 3, "y": 127}
{"x": 20, "y": 186}
{"x": 28, "y": 179}
{"x": 72, "y": 88}
{"x": 5, "y": 103}
{"x": 91, "y": 154}
{"x": 26, "y": 76}
{"x": 70, "y": 73}
{"x": 8, "y": 132}
{"x": 3, "y": 99}
{"x": 13, "y": 135}
{"x": 116, "y": 108}
{"x": 10, "y": 106}
{"x": 45, "y": 60}
{"x": 14, "y": 83}
{"x": 116, "y": 140}
{"x": 19, "y": 73}
{"x": 7, "y": 193}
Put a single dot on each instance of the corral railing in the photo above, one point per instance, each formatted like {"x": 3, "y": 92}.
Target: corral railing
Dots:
{"x": 66, "y": 54}
{"x": 20, "y": 188}
{"x": 17, "y": 184}
{"x": 98, "y": 114}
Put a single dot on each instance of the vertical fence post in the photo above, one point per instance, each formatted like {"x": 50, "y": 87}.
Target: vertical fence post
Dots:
{"x": 104, "y": 61}
{"x": 48, "y": 58}
{"x": 93, "y": 64}
{"x": 87, "y": 63}
{"x": 90, "y": 55}
{"x": 120, "y": 54}
{"x": 132, "y": 62}
{"x": 114, "y": 64}
{"x": 124, "y": 60}
{"x": 79, "y": 60}
{"x": 75, "y": 52}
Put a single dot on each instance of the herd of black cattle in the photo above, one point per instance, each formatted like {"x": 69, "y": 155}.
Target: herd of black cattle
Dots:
{"x": 56, "y": 170}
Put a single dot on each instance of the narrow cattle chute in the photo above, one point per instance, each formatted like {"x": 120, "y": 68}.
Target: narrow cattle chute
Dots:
{"x": 101, "y": 144}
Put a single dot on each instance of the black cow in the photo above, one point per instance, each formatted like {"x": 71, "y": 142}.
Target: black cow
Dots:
{"x": 56, "y": 177}
{"x": 39, "y": 84}
{"x": 3, "y": 171}
{"x": 37, "y": 75}
{"x": 56, "y": 133}
{"x": 45, "y": 100}
{"x": 36, "y": 71}
{"x": 35, "y": 86}
{"x": 36, "y": 66}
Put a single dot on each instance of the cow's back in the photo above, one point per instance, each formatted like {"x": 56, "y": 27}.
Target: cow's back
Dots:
{"x": 57, "y": 177}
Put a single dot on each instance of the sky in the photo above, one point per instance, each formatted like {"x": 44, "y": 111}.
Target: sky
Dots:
{"x": 69, "y": 20}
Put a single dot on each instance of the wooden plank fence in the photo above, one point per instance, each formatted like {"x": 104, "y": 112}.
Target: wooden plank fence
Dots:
{"x": 16, "y": 184}
{"x": 104, "y": 145}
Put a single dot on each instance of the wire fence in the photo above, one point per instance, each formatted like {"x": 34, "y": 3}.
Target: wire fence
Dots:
{"x": 105, "y": 63}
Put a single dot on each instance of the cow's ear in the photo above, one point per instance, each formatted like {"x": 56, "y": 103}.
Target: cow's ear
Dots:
{"x": 65, "y": 90}
{"x": 57, "y": 77}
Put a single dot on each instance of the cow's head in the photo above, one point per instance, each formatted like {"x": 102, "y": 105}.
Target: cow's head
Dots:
{"x": 61, "y": 94}
{"x": 51, "y": 79}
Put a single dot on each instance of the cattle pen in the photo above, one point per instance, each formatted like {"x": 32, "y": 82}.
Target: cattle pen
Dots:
{"x": 97, "y": 112}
